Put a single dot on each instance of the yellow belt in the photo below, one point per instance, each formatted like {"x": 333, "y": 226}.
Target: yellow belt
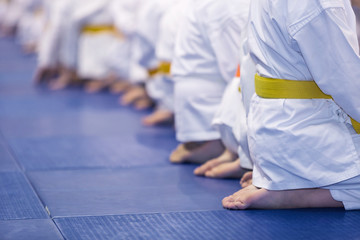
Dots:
{"x": 281, "y": 88}
{"x": 100, "y": 29}
{"x": 162, "y": 69}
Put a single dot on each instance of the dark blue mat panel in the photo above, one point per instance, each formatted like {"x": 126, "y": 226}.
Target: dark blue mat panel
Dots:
{"x": 277, "y": 224}
{"x": 135, "y": 190}
{"x": 17, "y": 199}
{"x": 30, "y": 229}
{"x": 127, "y": 150}
{"x": 7, "y": 162}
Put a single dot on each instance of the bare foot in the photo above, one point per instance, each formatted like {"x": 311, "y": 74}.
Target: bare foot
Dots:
{"x": 158, "y": 117}
{"x": 119, "y": 87}
{"x": 63, "y": 81}
{"x": 143, "y": 103}
{"x": 246, "y": 179}
{"x": 253, "y": 197}
{"x": 356, "y": 3}
{"x": 135, "y": 93}
{"x": 197, "y": 152}
{"x": 227, "y": 170}
{"x": 225, "y": 157}
{"x": 43, "y": 74}
{"x": 94, "y": 86}
{"x": 59, "y": 83}
{"x": 7, "y": 31}
{"x": 30, "y": 48}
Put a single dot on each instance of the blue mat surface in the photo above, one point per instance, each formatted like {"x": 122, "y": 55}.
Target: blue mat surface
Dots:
{"x": 90, "y": 152}
{"x": 83, "y": 123}
{"x": 123, "y": 191}
{"x": 7, "y": 162}
{"x": 17, "y": 198}
{"x": 30, "y": 229}
{"x": 80, "y": 166}
{"x": 279, "y": 224}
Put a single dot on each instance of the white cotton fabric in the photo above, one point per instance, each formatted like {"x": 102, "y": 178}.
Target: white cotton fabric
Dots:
{"x": 231, "y": 117}
{"x": 94, "y": 49}
{"x": 56, "y": 15}
{"x": 14, "y": 11}
{"x": 161, "y": 87}
{"x": 4, "y": 6}
{"x": 103, "y": 53}
{"x": 206, "y": 57}
{"x": 31, "y": 26}
{"x": 305, "y": 143}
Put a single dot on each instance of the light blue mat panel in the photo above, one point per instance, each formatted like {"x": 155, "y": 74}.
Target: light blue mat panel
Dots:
{"x": 30, "y": 229}
{"x": 17, "y": 198}
{"x": 215, "y": 225}
{"x": 123, "y": 191}
{"x": 90, "y": 152}
{"x": 84, "y": 123}
{"x": 56, "y": 103}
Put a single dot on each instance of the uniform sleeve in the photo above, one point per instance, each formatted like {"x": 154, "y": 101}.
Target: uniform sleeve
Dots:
{"x": 329, "y": 46}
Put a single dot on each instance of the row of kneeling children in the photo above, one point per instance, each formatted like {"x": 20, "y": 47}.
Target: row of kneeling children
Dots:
{"x": 264, "y": 91}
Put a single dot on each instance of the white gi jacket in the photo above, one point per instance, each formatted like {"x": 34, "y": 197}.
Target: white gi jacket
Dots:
{"x": 231, "y": 118}
{"x": 305, "y": 143}
{"x": 94, "y": 49}
{"x": 49, "y": 49}
{"x": 31, "y": 24}
{"x": 4, "y": 5}
{"x": 206, "y": 57}
{"x": 161, "y": 87}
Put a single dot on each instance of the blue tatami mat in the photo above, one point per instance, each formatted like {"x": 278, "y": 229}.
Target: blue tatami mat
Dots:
{"x": 80, "y": 166}
{"x": 30, "y": 229}
{"x": 90, "y": 152}
{"x": 251, "y": 224}
{"x": 123, "y": 191}
{"x": 17, "y": 198}
{"x": 7, "y": 162}
{"x": 57, "y": 103}
{"x": 84, "y": 123}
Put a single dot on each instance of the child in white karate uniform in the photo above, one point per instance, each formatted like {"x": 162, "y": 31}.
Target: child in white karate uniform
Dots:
{"x": 206, "y": 55}
{"x": 144, "y": 47}
{"x": 231, "y": 122}
{"x": 160, "y": 87}
{"x": 302, "y": 141}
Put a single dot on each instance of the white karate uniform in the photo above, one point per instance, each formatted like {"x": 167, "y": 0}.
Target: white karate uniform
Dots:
{"x": 143, "y": 57}
{"x": 71, "y": 27}
{"x": 206, "y": 57}
{"x": 4, "y": 5}
{"x": 124, "y": 14}
{"x": 94, "y": 48}
{"x": 13, "y": 13}
{"x": 161, "y": 87}
{"x": 306, "y": 143}
{"x": 126, "y": 19}
{"x": 56, "y": 14}
{"x": 31, "y": 23}
{"x": 247, "y": 86}
{"x": 231, "y": 117}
